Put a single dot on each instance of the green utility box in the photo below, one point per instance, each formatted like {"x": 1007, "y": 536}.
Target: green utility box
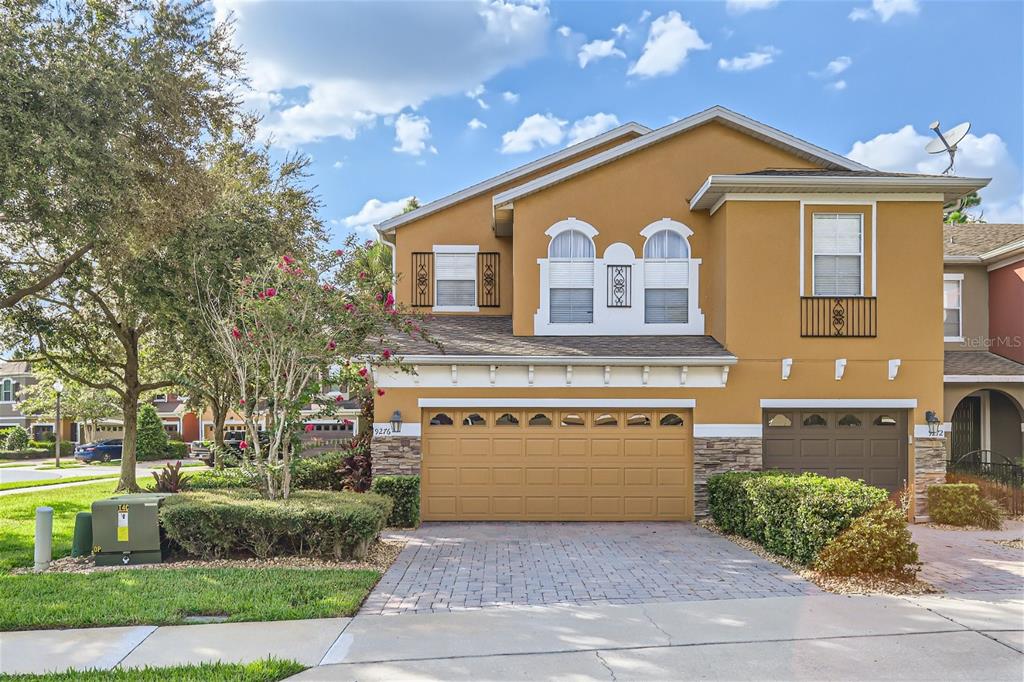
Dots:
{"x": 126, "y": 529}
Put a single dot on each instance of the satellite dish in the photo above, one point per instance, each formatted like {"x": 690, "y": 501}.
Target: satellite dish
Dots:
{"x": 947, "y": 141}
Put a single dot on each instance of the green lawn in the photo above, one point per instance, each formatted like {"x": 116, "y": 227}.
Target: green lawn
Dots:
{"x": 166, "y": 597}
{"x": 269, "y": 670}
{"x": 17, "y": 519}
{"x": 17, "y": 485}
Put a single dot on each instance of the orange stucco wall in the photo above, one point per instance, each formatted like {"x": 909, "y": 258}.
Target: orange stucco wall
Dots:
{"x": 1006, "y": 310}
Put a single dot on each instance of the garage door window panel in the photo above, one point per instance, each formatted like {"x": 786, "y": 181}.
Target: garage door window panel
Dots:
{"x": 507, "y": 419}
{"x": 638, "y": 419}
{"x": 780, "y": 420}
{"x": 441, "y": 419}
{"x": 572, "y": 419}
{"x": 606, "y": 419}
{"x": 474, "y": 419}
{"x": 540, "y": 419}
{"x": 815, "y": 420}
{"x": 671, "y": 419}
{"x": 849, "y": 421}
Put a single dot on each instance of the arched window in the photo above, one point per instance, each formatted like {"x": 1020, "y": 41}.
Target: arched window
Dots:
{"x": 441, "y": 419}
{"x": 7, "y": 391}
{"x": 666, "y": 245}
{"x": 671, "y": 420}
{"x": 571, "y": 245}
{"x": 507, "y": 419}
{"x": 815, "y": 419}
{"x": 572, "y": 277}
{"x": 540, "y": 419}
{"x": 780, "y": 420}
{"x": 666, "y": 273}
{"x": 605, "y": 419}
{"x": 474, "y": 419}
{"x": 849, "y": 420}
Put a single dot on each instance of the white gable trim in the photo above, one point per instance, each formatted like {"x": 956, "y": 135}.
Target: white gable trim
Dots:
{"x": 525, "y": 169}
{"x": 680, "y": 403}
{"x": 840, "y": 403}
{"x": 716, "y": 113}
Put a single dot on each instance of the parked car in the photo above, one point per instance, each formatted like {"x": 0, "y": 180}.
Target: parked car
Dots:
{"x": 233, "y": 444}
{"x": 200, "y": 449}
{"x": 99, "y": 451}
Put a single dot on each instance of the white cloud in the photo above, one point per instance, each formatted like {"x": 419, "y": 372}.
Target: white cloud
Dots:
{"x": 564, "y": 31}
{"x": 985, "y": 156}
{"x": 885, "y": 10}
{"x": 476, "y": 94}
{"x": 374, "y": 211}
{"x": 476, "y": 124}
{"x": 838, "y": 85}
{"x": 744, "y": 6}
{"x": 338, "y": 164}
{"x": 598, "y": 49}
{"x": 620, "y": 30}
{"x": 589, "y": 126}
{"x": 644, "y": 16}
{"x": 838, "y": 65}
{"x": 510, "y": 97}
{"x": 341, "y": 77}
{"x": 535, "y": 132}
{"x": 752, "y": 60}
{"x": 411, "y": 134}
{"x": 668, "y": 42}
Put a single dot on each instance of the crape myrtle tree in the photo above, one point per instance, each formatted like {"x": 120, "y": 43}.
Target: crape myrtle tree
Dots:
{"x": 259, "y": 208}
{"x": 170, "y": 77}
{"x": 79, "y": 403}
{"x": 293, "y": 327}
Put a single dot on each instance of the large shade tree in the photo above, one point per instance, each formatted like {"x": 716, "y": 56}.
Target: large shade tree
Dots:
{"x": 167, "y": 76}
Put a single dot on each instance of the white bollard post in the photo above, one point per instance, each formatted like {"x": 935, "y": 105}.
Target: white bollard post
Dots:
{"x": 44, "y": 538}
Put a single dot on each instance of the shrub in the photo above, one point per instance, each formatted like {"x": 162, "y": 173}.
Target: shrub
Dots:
{"x": 404, "y": 491}
{"x": 170, "y": 479}
{"x": 17, "y": 439}
{"x": 800, "y": 514}
{"x": 310, "y": 522}
{"x": 961, "y": 504}
{"x": 730, "y": 505}
{"x": 152, "y": 439}
{"x": 32, "y": 453}
{"x": 67, "y": 448}
{"x": 176, "y": 449}
{"x": 218, "y": 479}
{"x": 319, "y": 472}
{"x": 878, "y": 543}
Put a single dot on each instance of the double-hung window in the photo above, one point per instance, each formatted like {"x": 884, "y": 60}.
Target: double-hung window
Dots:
{"x": 7, "y": 391}
{"x": 571, "y": 254}
{"x": 952, "y": 308}
{"x": 455, "y": 281}
{"x": 838, "y": 247}
{"x": 666, "y": 279}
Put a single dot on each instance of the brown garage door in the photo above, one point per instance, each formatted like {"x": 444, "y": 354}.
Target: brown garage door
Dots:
{"x": 860, "y": 444}
{"x": 557, "y": 465}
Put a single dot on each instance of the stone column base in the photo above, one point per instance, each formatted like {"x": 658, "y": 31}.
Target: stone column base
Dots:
{"x": 397, "y": 455}
{"x": 718, "y": 455}
{"x": 929, "y": 469}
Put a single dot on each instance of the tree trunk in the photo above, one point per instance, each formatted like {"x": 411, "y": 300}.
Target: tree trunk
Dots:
{"x": 130, "y": 414}
{"x": 220, "y": 416}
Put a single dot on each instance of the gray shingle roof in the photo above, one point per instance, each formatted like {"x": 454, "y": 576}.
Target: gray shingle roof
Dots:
{"x": 492, "y": 335}
{"x": 980, "y": 362}
{"x": 836, "y": 173}
{"x": 975, "y": 239}
{"x": 13, "y": 367}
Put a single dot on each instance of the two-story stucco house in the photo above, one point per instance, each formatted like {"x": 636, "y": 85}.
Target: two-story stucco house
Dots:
{"x": 627, "y": 316}
{"x": 984, "y": 335}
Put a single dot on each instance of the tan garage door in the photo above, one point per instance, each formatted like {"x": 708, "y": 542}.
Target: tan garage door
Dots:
{"x": 554, "y": 464}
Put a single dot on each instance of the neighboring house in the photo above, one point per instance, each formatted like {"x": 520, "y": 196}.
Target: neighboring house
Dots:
{"x": 14, "y": 375}
{"x": 627, "y": 316}
{"x": 984, "y": 336}
{"x": 179, "y": 421}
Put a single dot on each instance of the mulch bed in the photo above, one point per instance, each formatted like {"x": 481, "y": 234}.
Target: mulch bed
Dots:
{"x": 378, "y": 558}
{"x": 838, "y": 585}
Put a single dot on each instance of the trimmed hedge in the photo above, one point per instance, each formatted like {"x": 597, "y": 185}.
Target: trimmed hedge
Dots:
{"x": 23, "y": 454}
{"x": 176, "y": 449}
{"x": 404, "y": 491}
{"x": 878, "y": 543}
{"x": 67, "y": 448}
{"x": 794, "y": 516}
{"x": 318, "y": 472}
{"x": 17, "y": 439}
{"x": 961, "y": 504}
{"x": 221, "y": 523}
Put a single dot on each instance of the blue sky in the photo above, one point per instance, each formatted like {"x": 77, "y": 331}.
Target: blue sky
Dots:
{"x": 395, "y": 99}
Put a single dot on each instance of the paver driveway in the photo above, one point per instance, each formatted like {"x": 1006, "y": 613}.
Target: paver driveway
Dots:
{"x": 970, "y": 560}
{"x": 453, "y": 566}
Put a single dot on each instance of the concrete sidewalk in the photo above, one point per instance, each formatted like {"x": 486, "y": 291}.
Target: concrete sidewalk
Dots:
{"x": 807, "y": 637}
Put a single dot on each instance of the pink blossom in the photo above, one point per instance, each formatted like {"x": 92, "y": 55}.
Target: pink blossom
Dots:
{"x": 390, "y": 300}
{"x": 380, "y": 297}
{"x": 362, "y": 371}
{"x": 287, "y": 259}
{"x": 349, "y": 307}
{"x": 387, "y": 353}
{"x": 337, "y": 398}
{"x": 346, "y": 422}
{"x": 309, "y": 427}
{"x": 235, "y": 333}
{"x": 243, "y": 445}
{"x": 331, "y": 345}
{"x": 261, "y": 295}
{"x": 380, "y": 391}
{"x": 242, "y": 401}
{"x": 362, "y": 275}
{"x": 339, "y": 252}
{"x": 271, "y": 292}
{"x": 328, "y": 287}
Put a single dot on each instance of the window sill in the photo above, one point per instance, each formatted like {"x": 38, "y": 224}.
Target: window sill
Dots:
{"x": 455, "y": 309}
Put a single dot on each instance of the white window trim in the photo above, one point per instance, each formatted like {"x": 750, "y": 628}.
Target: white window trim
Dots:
{"x": 840, "y": 403}
{"x": 456, "y": 248}
{"x": 649, "y": 403}
{"x": 669, "y": 225}
{"x": 837, "y": 200}
{"x": 3, "y": 389}
{"x": 618, "y": 321}
{"x": 860, "y": 255}
{"x": 959, "y": 278}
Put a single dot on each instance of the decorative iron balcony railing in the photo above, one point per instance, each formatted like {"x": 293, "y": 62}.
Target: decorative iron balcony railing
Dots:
{"x": 838, "y": 316}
